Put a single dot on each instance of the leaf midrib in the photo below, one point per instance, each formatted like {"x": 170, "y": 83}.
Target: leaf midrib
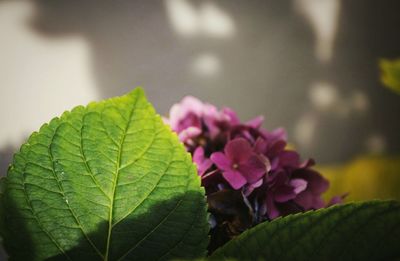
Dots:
{"x": 110, "y": 217}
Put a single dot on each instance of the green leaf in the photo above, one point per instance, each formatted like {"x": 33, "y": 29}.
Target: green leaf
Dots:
{"x": 104, "y": 182}
{"x": 390, "y": 74}
{"x": 355, "y": 231}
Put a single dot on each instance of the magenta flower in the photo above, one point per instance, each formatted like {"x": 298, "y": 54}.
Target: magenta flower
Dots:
{"x": 248, "y": 161}
{"x": 244, "y": 159}
{"x": 239, "y": 164}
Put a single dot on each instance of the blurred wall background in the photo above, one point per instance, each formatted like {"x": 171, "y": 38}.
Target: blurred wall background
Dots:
{"x": 307, "y": 65}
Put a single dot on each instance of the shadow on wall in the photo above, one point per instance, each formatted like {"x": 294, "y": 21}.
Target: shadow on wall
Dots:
{"x": 265, "y": 67}
{"x": 133, "y": 43}
{"x": 367, "y": 32}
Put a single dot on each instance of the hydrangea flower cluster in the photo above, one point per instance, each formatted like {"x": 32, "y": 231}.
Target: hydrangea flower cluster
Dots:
{"x": 248, "y": 173}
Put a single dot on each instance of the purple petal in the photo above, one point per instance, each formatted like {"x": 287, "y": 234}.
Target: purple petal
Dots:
{"x": 316, "y": 183}
{"x": 289, "y": 159}
{"x": 245, "y": 133}
{"x": 266, "y": 162}
{"x": 308, "y": 163}
{"x": 250, "y": 188}
{"x": 260, "y": 146}
{"x": 257, "y": 184}
{"x": 238, "y": 150}
{"x": 278, "y": 178}
{"x": 234, "y": 178}
{"x": 253, "y": 169}
{"x": 336, "y": 200}
{"x": 284, "y": 194}
{"x": 305, "y": 200}
{"x": 221, "y": 161}
{"x": 274, "y": 163}
{"x": 318, "y": 203}
{"x": 299, "y": 185}
{"x": 271, "y": 208}
{"x": 190, "y": 120}
{"x": 276, "y": 148}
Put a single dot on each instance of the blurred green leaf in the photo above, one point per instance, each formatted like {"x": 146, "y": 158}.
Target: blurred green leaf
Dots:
{"x": 390, "y": 74}
{"x": 356, "y": 231}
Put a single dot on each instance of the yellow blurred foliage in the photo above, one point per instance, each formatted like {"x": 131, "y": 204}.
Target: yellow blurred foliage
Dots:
{"x": 390, "y": 74}
{"x": 365, "y": 178}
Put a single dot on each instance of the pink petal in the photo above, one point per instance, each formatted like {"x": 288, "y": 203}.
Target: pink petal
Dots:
{"x": 275, "y": 135}
{"x": 211, "y": 118}
{"x": 256, "y": 122}
{"x": 278, "y": 134}
{"x": 189, "y": 133}
{"x": 230, "y": 116}
{"x": 175, "y": 115}
{"x": 192, "y": 104}
{"x": 234, "y": 178}
{"x": 238, "y": 150}
{"x": 222, "y": 162}
{"x": 165, "y": 120}
{"x": 188, "y": 107}
{"x": 203, "y": 164}
{"x": 198, "y": 155}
